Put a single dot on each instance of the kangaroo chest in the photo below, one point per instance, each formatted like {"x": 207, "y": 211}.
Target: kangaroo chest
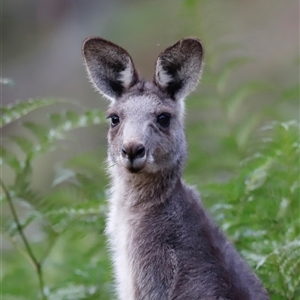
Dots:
{"x": 138, "y": 251}
{"x": 120, "y": 234}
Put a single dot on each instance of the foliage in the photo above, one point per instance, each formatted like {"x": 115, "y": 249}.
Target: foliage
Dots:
{"x": 259, "y": 208}
{"x": 246, "y": 166}
{"x": 69, "y": 216}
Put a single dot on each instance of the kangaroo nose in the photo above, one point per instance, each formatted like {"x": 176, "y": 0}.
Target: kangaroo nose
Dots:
{"x": 133, "y": 151}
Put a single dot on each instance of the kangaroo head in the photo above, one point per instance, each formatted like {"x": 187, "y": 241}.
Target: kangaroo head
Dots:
{"x": 146, "y": 134}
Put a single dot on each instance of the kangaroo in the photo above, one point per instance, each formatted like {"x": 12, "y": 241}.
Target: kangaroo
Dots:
{"x": 164, "y": 244}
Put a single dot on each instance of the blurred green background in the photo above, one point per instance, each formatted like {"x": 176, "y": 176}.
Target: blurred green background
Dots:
{"x": 242, "y": 127}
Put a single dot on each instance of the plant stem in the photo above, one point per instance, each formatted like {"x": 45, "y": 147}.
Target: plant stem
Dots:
{"x": 34, "y": 260}
{"x": 41, "y": 280}
{"x": 20, "y": 249}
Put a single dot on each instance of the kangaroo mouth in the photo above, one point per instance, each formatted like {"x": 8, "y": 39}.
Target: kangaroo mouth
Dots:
{"x": 134, "y": 170}
{"x": 134, "y": 167}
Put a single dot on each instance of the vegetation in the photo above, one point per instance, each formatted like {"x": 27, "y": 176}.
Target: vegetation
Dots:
{"x": 258, "y": 208}
{"x": 243, "y": 155}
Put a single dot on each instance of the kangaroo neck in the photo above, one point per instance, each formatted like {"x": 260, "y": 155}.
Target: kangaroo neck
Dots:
{"x": 143, "y": 189}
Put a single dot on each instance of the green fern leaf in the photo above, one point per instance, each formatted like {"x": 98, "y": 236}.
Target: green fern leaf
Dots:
{"x": 56, "y": 119}
{"x": 285, "y": 261}
{"x": 20, "y": 109}
{"x": 39, "y": 131}
{"x": 25, "y": 144}
{"x": 72, "y": 117}
{"x": 8, "y": 158}
{"x": 73, "y": 292}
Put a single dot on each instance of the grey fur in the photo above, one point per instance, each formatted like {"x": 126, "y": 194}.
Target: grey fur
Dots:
{"x": 164, "y": 245}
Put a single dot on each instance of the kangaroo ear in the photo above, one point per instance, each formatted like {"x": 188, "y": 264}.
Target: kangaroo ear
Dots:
{"x": 178, "y": 68}
{"x": 109, "y": 67}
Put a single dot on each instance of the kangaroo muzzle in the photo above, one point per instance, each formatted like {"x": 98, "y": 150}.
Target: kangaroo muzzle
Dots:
{"x": 133, "y": 156}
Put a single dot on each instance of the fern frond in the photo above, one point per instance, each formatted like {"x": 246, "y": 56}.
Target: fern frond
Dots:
{"x": 13, "y": 112}
{"x": 61, "y": 124}
{"x": 269, "y": 239}
{"x": 73, "y": 292}
{"x": 8, "y": 158}
{"x": 284, "y": 261}
{"x": 88, "y": 212}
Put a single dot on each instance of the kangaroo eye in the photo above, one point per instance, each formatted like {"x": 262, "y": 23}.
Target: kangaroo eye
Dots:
{"x": 164, "y": 120}
{"x": 114, "y": 120}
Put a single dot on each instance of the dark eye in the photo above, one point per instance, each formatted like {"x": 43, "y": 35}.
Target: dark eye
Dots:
{"x": 164, "y": 120}
{"x": 114, "y": 120}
